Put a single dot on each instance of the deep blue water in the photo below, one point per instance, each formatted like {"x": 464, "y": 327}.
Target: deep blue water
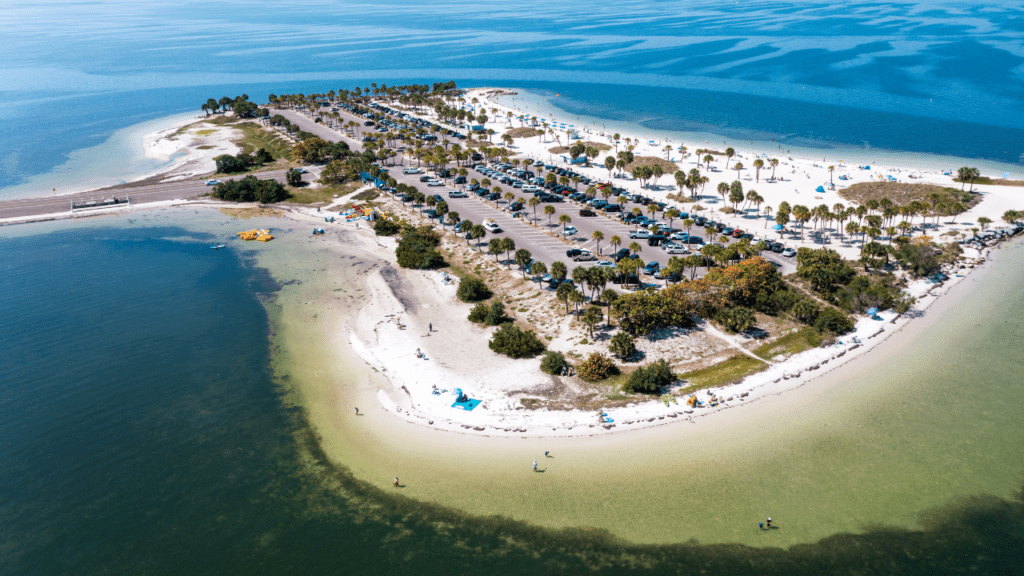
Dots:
{"x": 926, "y": 77}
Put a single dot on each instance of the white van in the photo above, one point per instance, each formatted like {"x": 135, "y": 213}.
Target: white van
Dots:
{"x": 491, "y": 226}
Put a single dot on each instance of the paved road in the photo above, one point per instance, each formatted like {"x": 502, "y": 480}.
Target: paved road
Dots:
{"x": 543, "y": 247}
{"x": 182, "y": 190}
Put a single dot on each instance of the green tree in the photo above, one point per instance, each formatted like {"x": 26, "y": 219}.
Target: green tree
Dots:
{"x": 473, "y": 289}
{"x": 513, "y": 342}
{"x": 650, "y": 378}
{"x": 592, "y": 317}
{"x": 552, "y": 363}
{"x": 563, "y": 292}
{"x": 622, "y": 345}
{"x": 736, "y": 319}
{"x": 523, "y": 258}
{"x": 558, "y": 271}
{"x": 596, "y": 367}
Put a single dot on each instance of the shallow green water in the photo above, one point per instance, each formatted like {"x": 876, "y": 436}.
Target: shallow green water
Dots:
{"x": 142, "y": 432}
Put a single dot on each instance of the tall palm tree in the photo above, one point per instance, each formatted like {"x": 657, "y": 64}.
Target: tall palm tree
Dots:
{"x": 564, "y": 219}
{"x": 758, "y": 164}
{"x": 774, "y": 162}
{"x": 549, "y": 211}
{"x": 534, "y": 202}
{"x": 635, "y": 248}
{"x": 708, "y": 159}
{"x": 737, "y": 168}
{"x": 831, "y": 169}
{"x": 615, "y": 242}
{"x": 768, "y": 213}
{"x": 597, "y": 237}
{"x": 723, "y": 190}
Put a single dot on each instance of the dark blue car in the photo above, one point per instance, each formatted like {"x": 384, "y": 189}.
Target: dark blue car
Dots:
{"x": 651, "y": 267}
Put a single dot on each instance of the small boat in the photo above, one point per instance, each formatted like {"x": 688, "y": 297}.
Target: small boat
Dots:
{"x": 218, "y": 246}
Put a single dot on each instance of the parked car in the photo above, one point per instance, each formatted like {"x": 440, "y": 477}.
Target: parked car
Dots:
{"x": 425, "y": 178}
{"x": 460, "y": 180}
{"x": 569, "y": 230}
{"x": 411, "y": 171}
{"x": 789, "y": 252}
{"x": 676, "y": 249}
{"x": 584, "y": 255}
{"x": 737, "y": 233}
{"x": 605, "y": 264}
{"x": 622, "y": 253}
{"x": 652, "y": 267}
{"x": 212, "y": 182}
{"x": 587, "y": 213}
{"x": 680, "y": 236}
{"x": 434, "y": 182}
{"x": 457, "y": 194}
{"x": 778, "y": 248}
{"x": 639, "y": 234}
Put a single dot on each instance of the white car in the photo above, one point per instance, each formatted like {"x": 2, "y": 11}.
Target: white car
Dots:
{"x": 411, "y": 171}
{"x": 676, "y": 249}
{"x": 434, "y": 182}
{"x": 789, "y": 252}
{"x": 301, "y": 170}
{"x": 212, "y": 182}
{"x": 680, "y": 236}
{"x": 569, "y": 230}
{"x": 605, "y": 264}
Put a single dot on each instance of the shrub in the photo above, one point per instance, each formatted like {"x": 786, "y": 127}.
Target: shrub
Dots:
{"x": 515, "y": 343}
{"x": 495, "y": 314}
{"x": 622, "y": 345}
{"x": 417, "y": 249}
{"x": 596, "y": 367}
{"x": 552, "y": 363}
{"x": 832, "y": 320}
{"x": 650, "y": 378}
{"x": 386, "y": 227}
{"x": 805, "y": 310}
{"x": 250, "y": 189}
{"x": 473, "y": 289}
{"x": 293, "y": 177}
{"x": 479, "y": 312}
{"x": 736, "y": 319}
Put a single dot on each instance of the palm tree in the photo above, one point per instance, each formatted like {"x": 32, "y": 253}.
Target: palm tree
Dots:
{"x": 549, "y": 210}
{"x": 831, "y": 169}
{"x": 478, "y": 232}
{"x": 597, "y": 237}
{"x": 708, "y": 159}
{"x": 564, "y": 219}
{"x": 635, "y": 248}
{"x": 737, "y": 168}
{"x": 671, "y": 214}
{"x": 758, "y": 164}
{"x": 615, "y": 241}
{"x": 774, "y": 162}
{"x": 723, "y": 190}
{"x": 534, "y": 202}
{"x": 768, "y": 213}
{"x": 729, "y": 153}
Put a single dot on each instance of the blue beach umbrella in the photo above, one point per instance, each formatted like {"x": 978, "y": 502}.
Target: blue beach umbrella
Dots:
{"x": 777, "y": 227}
{"x": 819, "y": 189}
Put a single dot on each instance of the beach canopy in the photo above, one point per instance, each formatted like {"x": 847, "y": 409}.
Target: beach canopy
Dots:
{"x": 778, "y": 227}
{"x": 1005, "y": 175}
{"x": 819, "y": 189}
{"x": 872, "y": 311}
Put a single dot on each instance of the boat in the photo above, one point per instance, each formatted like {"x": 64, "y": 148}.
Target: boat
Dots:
{"x": 261, "y": 235}
{"x": 217, "y": 247}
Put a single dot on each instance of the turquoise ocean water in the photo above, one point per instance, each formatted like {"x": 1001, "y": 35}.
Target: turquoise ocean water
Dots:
{"x": 919, "y": 78}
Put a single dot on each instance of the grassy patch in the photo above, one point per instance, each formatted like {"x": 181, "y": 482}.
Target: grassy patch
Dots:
{"x": 668, "y": 167}
{"x": 309, "y": 195}
{"x": 255, "y": 137}
{"x": 206, "y": 132}
{"x": 902, "y": 193}
{"x": 794, "y": 343}
{"x": 204, "y": 147}
{"x": 524, "y": 132}
{"x": 565, "y": 149}
{"x": 732, "y": 370}
{"x": 994, "y": 181}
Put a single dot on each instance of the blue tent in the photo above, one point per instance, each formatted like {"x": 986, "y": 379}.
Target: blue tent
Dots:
{"x": 778, "y": 227}
{"x": 819, "y": 189}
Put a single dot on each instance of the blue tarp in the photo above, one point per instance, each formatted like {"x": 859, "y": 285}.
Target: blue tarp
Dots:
{"x": 468, "y": 405}
{"x": 819, "y": 189}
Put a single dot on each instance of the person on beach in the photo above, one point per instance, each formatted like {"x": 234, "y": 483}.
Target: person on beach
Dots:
{"x": 760, "y": 525}
{"x": 430, "y": 327}
{"x": 534, "y": 465}
{"x": 546, "y": 454}
{"x": 357, "y": 411}
{"x": 769, "y": 522}
{"x": 396, "y": 481}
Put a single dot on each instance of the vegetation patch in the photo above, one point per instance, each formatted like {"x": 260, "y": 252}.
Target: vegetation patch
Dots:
{"x": 322, "y": 193}
{"x": 255, "y": 137}
{"x": 247, "y": 213}
{"x": 565, "y": 149}
{"x": 732, "y": 370}
{"x": 666, "y": 166}
{"x": 524, "y": 132}
{"x": 902, "y": 193}
{"x": 793, "y": 343}
{"x": 993, "y": 181}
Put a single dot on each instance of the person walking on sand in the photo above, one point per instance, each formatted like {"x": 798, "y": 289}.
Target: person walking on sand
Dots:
{"x": 760, "y": 525}
{"x": 357, "y": 411}
{"x": 546, "y": 452}
{"x": 430, "y": 327}
{"x": 769, "y": 522}
{"x": 534, "y": 465}
{"x": 396, "y": 481}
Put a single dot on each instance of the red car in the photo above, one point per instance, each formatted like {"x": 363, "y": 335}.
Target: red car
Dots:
{"x": 737, "y": 233}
